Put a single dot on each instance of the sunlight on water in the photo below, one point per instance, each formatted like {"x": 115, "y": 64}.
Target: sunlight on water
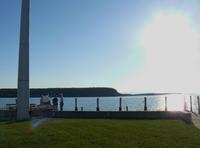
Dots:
{"x": 175, "y": 102}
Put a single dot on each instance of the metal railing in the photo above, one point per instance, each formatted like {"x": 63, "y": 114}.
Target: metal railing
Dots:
{"x": 9, "y": 110}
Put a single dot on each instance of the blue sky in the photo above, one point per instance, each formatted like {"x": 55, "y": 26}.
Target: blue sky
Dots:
{"x": 86, "y": 43}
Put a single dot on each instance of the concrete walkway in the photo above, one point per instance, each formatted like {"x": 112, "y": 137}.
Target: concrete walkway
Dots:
{"x": 37, "y": 122}
{"x": 196, "y": 120}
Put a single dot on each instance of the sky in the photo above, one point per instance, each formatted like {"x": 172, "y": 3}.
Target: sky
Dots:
{"x": 131, "y": 45}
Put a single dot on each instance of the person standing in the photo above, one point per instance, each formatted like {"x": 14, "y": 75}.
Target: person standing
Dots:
{"x": 55, "y": 103}
{"x": 61, "y": 102}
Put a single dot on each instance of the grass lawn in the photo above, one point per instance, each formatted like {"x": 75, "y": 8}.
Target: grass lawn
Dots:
{"x": 100, "y": 133}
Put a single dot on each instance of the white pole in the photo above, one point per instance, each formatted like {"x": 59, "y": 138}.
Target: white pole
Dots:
{"x": 23, "y": 91}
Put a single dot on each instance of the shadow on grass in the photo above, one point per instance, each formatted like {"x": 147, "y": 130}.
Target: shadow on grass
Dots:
{"x": 13, "y": 121}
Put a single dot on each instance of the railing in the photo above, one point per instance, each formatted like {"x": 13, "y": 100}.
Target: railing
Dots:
{"x": 187, "y": 107}
{"x": 3, "y": 108}
{"x": 12, "y": 107}
{"x": 8, "y": 111}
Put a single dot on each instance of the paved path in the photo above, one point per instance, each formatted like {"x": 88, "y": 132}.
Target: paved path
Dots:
{"x": 196, "y": 120}
{"x": 37, "y": 122}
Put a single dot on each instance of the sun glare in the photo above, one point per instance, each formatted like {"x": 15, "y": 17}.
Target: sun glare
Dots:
{"x": 170, "y": 32}
{"x": 170, "y": 43}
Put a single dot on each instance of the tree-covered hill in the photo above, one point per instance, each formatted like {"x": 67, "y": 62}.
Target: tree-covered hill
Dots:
{"x": 67, "y": 92}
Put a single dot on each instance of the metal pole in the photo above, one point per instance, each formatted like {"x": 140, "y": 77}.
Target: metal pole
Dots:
{"x": 145, "y": 104}
{"x": 198, "y": 102}
{"x": 191, "y": 103}
{"x": 76, "y": 108}
{"x": 120, "y": 104}
{"x": 185, "y": 108}
{"x": 127, "y": 108}
{"x": 97, "y": 104}
{"x": 165, "y": 103}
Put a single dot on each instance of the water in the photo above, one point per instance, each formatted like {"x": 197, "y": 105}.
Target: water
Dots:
{"x": 134, "y": 103}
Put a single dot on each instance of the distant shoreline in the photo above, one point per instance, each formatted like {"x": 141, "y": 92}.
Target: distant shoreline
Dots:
{"x": 75, "y": 92}
{"x": 155, "y": 94}
{"x": 67, "y": 92}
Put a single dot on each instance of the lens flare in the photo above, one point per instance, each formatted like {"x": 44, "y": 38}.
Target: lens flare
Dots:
{"x": 171, "y": 52}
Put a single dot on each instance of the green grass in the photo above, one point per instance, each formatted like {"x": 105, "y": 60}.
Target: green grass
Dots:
{"x": 100, "y": 134}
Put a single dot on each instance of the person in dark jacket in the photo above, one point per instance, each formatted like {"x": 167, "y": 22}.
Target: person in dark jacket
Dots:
{"x": 55, "y": 103}
{"x": 61, "y": 102}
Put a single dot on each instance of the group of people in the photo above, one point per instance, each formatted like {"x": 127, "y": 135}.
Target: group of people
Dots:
{"x": 46, "y": 102}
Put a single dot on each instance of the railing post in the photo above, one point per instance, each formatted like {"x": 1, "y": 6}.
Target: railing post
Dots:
{"x": 81, "y": 108}
{"x": 185, "y": 107}
{"x": 198, "y": 102}
{"x": 76, "y": 108}
{"x": 120, "y": 104}
{"x": 127, "y": 108}
{"x": 165, "y": 103}
{"x": 191, "y": 103}
{"x": 145, "y": 104}
{"x": 97, "y": 104}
